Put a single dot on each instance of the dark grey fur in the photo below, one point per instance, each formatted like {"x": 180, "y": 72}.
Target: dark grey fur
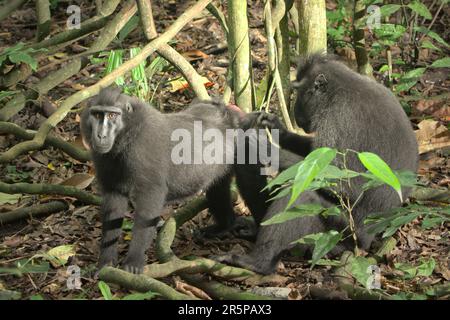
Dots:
{"x": 132, "y": 158}
{"x": 345, "y": 110}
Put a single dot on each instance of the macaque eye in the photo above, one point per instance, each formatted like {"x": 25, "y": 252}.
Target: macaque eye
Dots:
{"x": 112, "y": 115}
{"x": 97, "y": 115}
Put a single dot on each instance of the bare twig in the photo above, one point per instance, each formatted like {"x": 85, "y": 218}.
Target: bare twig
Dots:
{"x": 273, "y": 64}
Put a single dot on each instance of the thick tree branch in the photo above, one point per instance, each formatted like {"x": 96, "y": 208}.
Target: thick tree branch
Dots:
{"x": 51, "y": 140}
{"x": 140, "y": 283}
{"x": 33, "y": 211}
{"x": 57, "y": 189}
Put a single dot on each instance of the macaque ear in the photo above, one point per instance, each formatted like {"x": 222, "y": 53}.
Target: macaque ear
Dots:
{"x": 320, "y": 82}
{"x": 128, "y": 107}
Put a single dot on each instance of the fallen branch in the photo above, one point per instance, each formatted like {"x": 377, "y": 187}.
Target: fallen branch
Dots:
{"x": 33, "y": 211}
{"x": 57, "y": 189}
{"x": 140, "y": 283}
{"x": 51, "y": 140}
{"x": 219, "y": 291}
{"x": 76, "y": 98}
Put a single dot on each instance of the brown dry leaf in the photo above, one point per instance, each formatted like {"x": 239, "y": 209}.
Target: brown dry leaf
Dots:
{"x": 191, "y": 291}
{"x": 79, "y": 180}
{"x": 180, "y": 84}
{"x": 432, "y": 136}
{"x": 194, "y": 55}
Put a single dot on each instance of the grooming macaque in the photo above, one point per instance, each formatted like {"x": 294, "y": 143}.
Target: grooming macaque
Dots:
{"x": 344, "y": 110}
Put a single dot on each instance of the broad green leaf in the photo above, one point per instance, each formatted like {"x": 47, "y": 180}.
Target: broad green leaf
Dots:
{"x": 384, "y": 68}
{"x": 398, "y": 222}
{"x": 24, "y": 57}
{"x": 389, "y": 9}
{"x": 412, "y": 74}
{"x": 105, "y": 290}
{"x": 323, "y": 243}
{"x": 426, "y": 268}
{"x": 441, "y": 63}
{"x": 313, "y": 164}
{"x": 408, "y": 270}
{"x": 284, "y": 176}
{"x": 389, "y": 31}
{"x": 36, "y": 297}
{"x": 141, "y": 296}
{"x": 6, "y": 198}
{"x": 428, "y": 223}
{"x": 59, "y": 256}
{"x": 420, "y": 9}
{"x": 432, "y": 35}
{"x": 381, "y": 170}
{"x": 310, "y": 209}
{"x": 408, "y": 296}
{"x": 428, "y": 45}
{"x": 335, "y": 173}
{"x": 360, "y": 269}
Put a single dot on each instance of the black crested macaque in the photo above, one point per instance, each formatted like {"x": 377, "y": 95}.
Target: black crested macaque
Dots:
{"x": 344, "y": 110}
{"x": 132, "y": 151}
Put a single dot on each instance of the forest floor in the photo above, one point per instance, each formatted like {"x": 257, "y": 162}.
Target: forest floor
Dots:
{"x": 203, "y": 43}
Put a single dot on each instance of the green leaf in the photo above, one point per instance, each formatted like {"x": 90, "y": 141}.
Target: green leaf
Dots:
{"x": 432, "y": 35}
{"x": 284, "y": 176}
{"x": 381, "y": 170}
{"x": 6, "y": 198}
{"x": 408, "y": 270}
{"x": 313, "y": 164}
{"x": 420, "y": 9}
{"x": 389, "y": 9}
{"x": 388, "y": 31}
{"x": 361, "y": 271}
{"x": 36, "y": 297}
{"x": 141, "y": 296}
{"x": 441, "y": 63}
{"x": 426, "y": 268}
{"x": 105, "y": 290}
{"x": 323, "y": 243}
{"x": 428, "y": 45}
{"x": 413, "y": 74}
{"x": 24, "y": 57}
{"x": 310, "y": 209}
{"x": 398, "y": 222}
{"x": 59, "y": 256}
{"x": 428, "y": 223}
